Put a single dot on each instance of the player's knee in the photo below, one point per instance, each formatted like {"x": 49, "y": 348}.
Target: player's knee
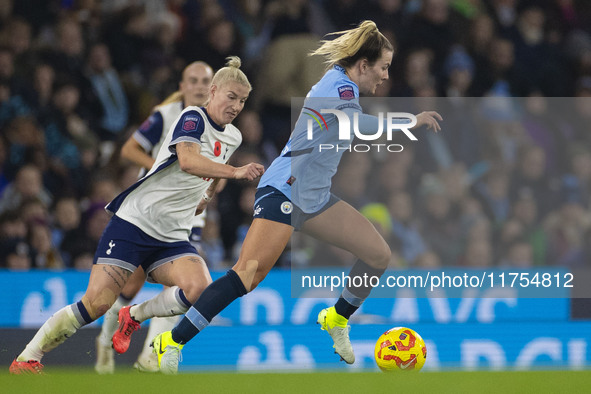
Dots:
{"x": 193, "y": 287}
{"x": 98, "y": 303}
{"x": 133, "y": 286}
{"x": 386, "y": 256}
{"x": 380, "y": 256}
{"x": 95, "y": 307}
{"x": 101, "y": 309}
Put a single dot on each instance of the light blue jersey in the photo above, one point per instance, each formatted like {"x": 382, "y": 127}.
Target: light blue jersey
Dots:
{"x": 302, "y": 172}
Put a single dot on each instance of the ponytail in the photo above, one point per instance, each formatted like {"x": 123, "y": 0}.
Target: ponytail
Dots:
{"x": 173, "y": 98}
{"x": 364, "y": 41}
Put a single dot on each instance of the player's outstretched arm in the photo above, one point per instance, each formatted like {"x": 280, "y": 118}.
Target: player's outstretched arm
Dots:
{"x": 134, "y": 152}
{"x": 193, "y": 162}
{"x": 250, "y": 172}
{"x": 429, "y": 119}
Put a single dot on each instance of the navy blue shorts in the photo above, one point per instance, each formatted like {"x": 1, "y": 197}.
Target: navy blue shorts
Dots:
{"x": 273, "y": 205}
{"x": 125, "y": 245}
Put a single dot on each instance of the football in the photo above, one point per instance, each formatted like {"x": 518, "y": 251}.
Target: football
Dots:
{"x": 400, "y": 349}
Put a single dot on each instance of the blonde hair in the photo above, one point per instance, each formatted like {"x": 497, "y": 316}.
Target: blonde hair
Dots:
{"x": 364, "y": 41}
{"x": 231, "y": 73}
{"x": 178, "y": 95}
{"x": 173, "y": 98}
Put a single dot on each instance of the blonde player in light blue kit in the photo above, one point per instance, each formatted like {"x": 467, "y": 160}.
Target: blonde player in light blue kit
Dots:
{"x": 295, "y": 193}
{"x": 142, "y": 148}
{"x": 152, "y": 220}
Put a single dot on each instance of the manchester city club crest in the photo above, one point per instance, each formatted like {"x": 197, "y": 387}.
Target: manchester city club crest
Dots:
{"x": 286, "y": 207}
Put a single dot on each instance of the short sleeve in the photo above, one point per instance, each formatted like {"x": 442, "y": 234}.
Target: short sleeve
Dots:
{"x": 150, "y": 132}
{"x": 346, "y": 92}
{"x": 189, "y": 128}
{"x": 348, "y": 97}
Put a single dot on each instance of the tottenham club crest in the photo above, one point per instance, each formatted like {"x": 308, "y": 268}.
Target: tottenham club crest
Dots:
{"x": 111, "y": 244}
{"x": 286, "y": 207}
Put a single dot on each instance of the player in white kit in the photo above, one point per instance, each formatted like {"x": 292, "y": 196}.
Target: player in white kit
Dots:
{"x": 152, "y": 220}
{"x": 141, "y": 149}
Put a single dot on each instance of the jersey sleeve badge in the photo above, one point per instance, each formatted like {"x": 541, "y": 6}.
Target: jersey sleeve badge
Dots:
{"x": 346, "y": 92}
{"x": 190, "y": 123}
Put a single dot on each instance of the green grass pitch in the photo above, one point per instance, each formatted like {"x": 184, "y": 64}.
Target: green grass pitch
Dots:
{"x": 85, "y": 381}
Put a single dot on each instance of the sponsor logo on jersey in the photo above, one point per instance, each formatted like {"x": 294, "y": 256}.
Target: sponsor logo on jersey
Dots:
{"x": 257, "y": 210}
{"x": 346, "y": 92}
{"x": 190, "y": 123}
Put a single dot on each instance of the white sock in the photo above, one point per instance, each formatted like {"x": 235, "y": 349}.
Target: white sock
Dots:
{"x": 59, "y": 327}
{"x": 157, "y": 326}
{"x": 110, "y": 323}
{"x": 167, "y": 303}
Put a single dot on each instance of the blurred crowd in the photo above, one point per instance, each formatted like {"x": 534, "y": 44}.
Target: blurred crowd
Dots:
{"x": 506, "y": 185}
{"x": 517, "y": 195}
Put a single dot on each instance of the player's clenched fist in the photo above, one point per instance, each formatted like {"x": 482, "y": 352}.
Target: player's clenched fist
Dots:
{"x": 250, "y": 172}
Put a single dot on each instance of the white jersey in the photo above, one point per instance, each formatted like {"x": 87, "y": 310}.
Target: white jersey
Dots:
{"x": 162, "y": 204}
{"x": 153, "y": 131}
